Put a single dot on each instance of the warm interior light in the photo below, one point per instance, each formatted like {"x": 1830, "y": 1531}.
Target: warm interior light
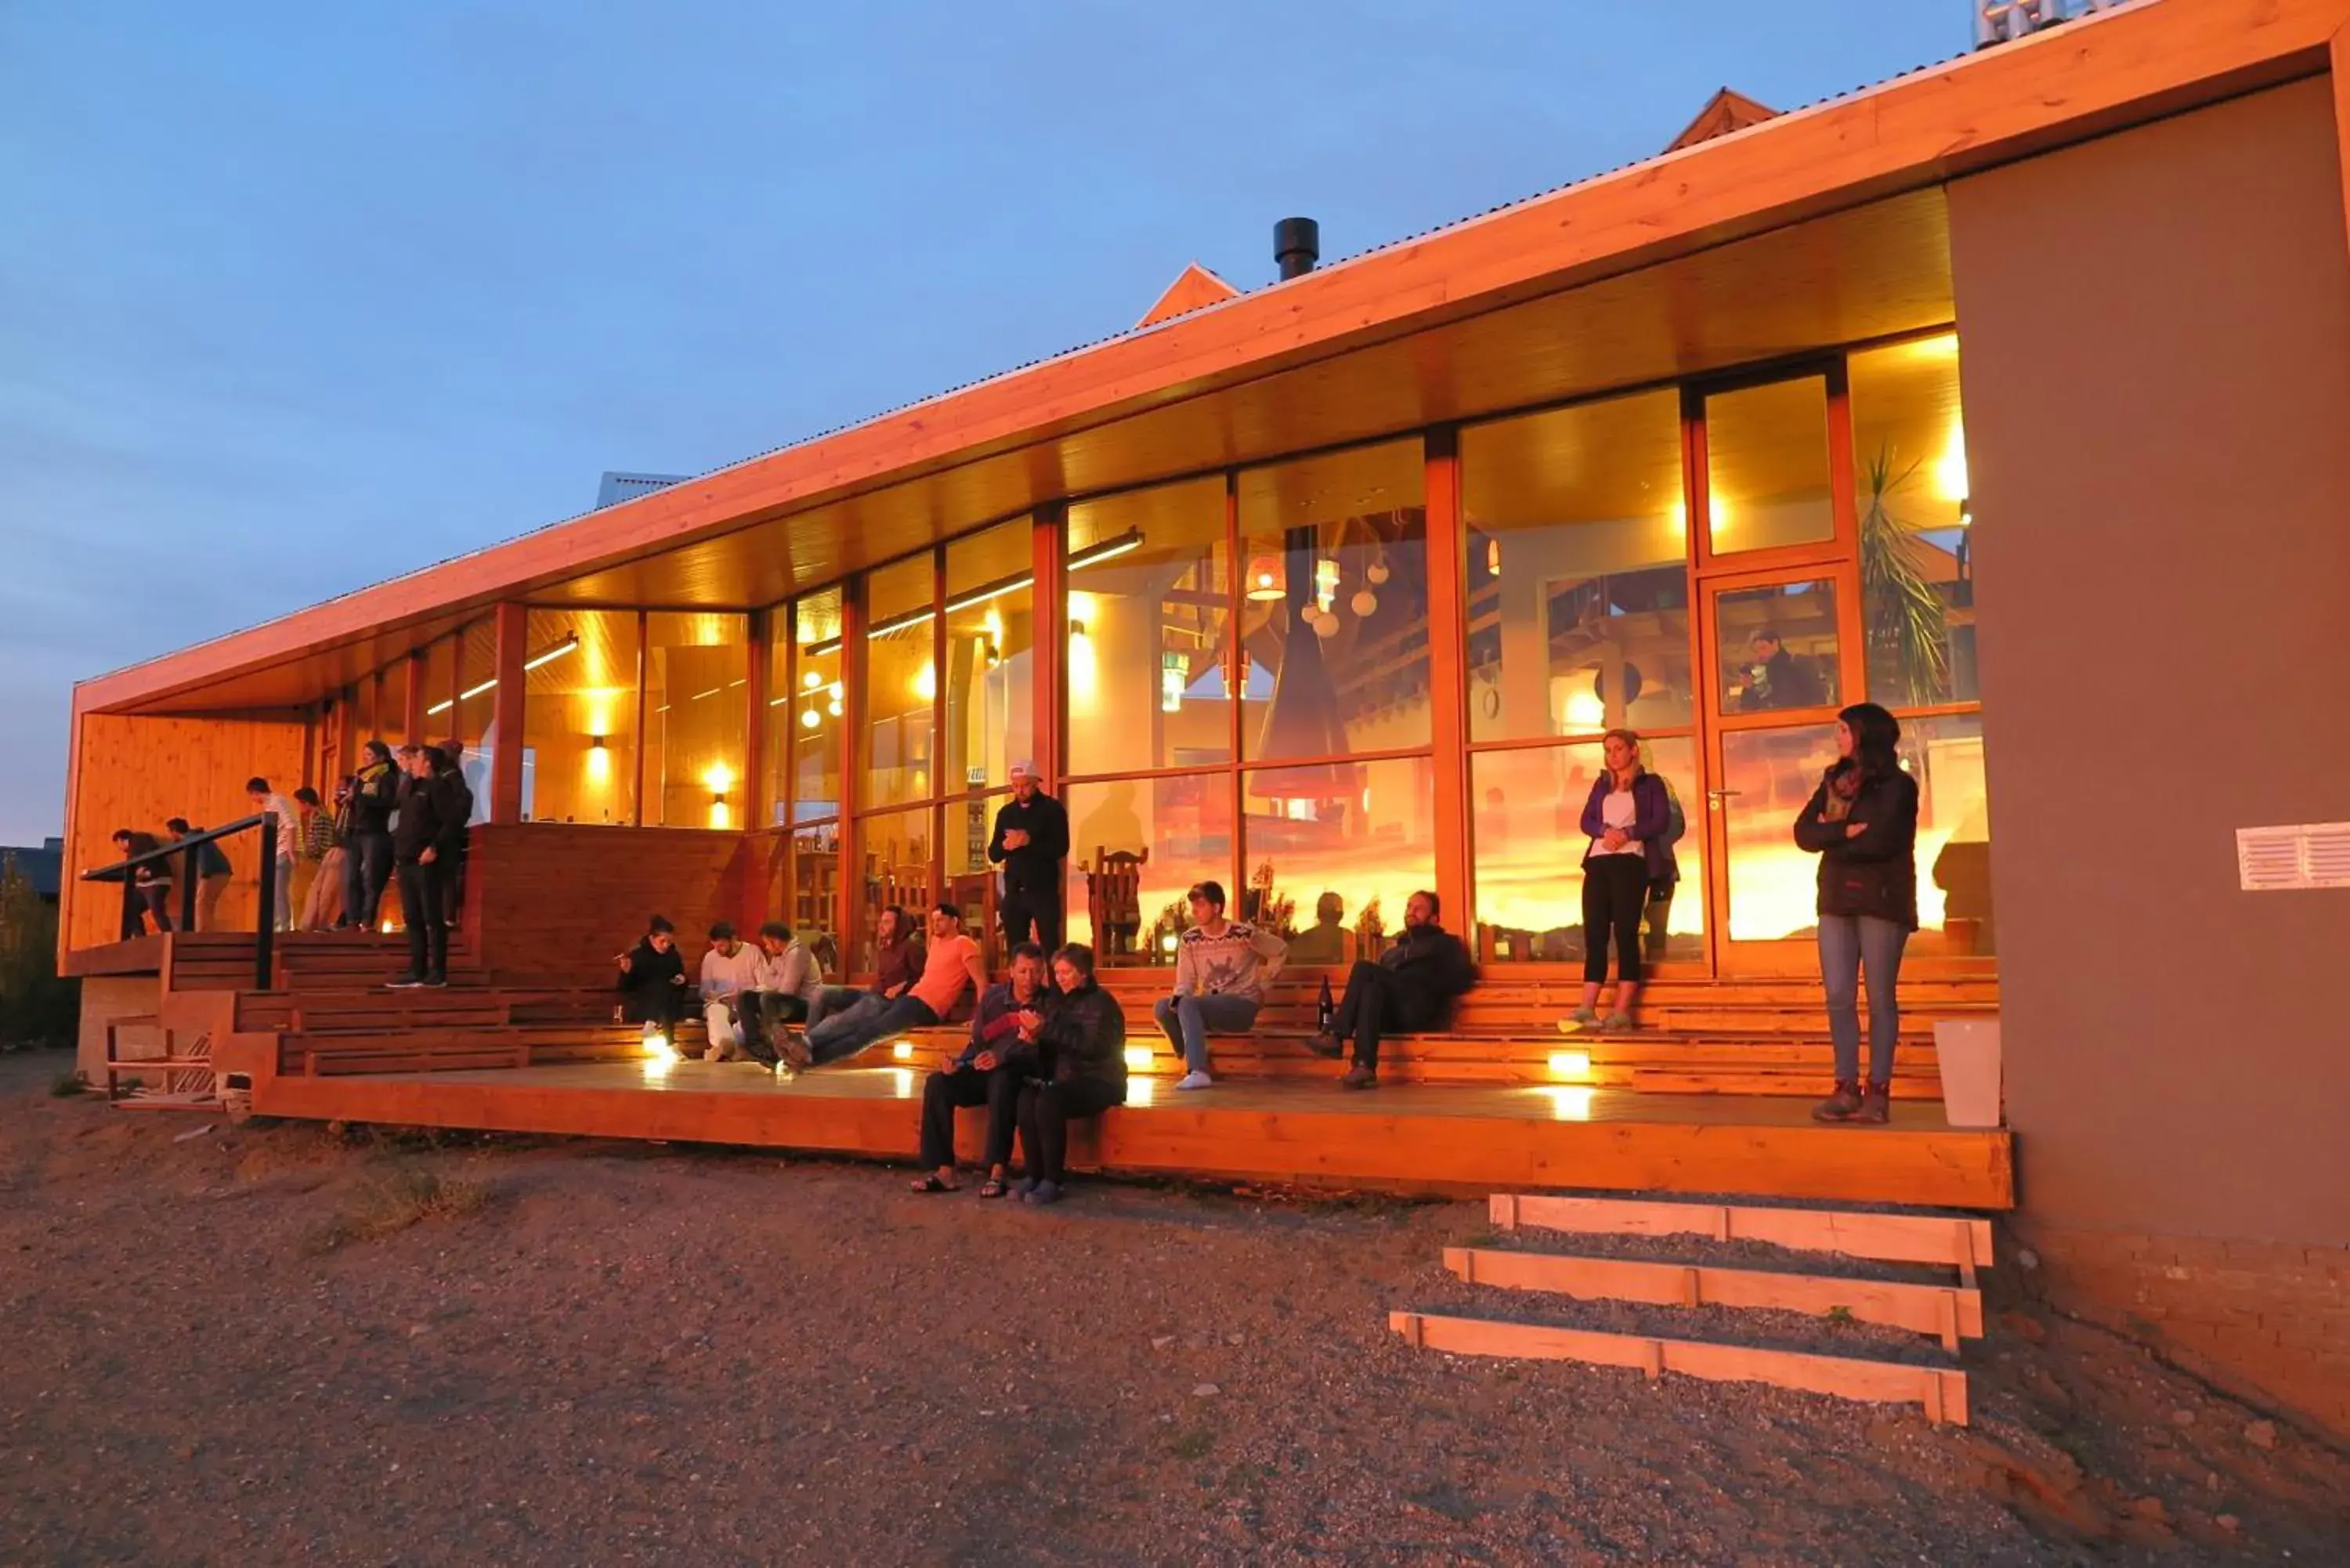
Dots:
{"x": 1325, "y": 583}
{"x": 567, "y": 643}
{"x": 808, "y": 721}
{"x": 926, "y": 682}
{"x": 1172, "y": 675}
{"x": 1585, "y": 710}
{"x": 1966, "y": 510}
{"x": 1492, "y": 557}
{"x": 1108, "y": 549}
{"x": 810, "y": 680}
{"x": 720, "y": 816}
{"x": 1169, "y": 942}
{"x": 439, "y": 708}
{"x": 1951, "y": 467}
{"x": 902, "y": 1049}
{"x": 1083, "y": 671}
{"x": 1264, "y": 578}
{"x": 720, "y": 778}
{"x": 599, "y": 760}
{"x": 1570, "y": 1066}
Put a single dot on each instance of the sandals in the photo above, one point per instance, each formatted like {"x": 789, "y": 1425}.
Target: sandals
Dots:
{"x": 933, "y": 1184}
{"x": 994, "y": 1187}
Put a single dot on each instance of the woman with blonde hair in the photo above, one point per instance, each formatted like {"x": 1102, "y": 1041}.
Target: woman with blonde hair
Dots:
{"x": 1628, "y": 817}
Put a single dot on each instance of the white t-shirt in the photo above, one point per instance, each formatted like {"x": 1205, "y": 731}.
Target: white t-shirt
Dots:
{"x": 289, "y": 825}
{"x": 1618, "y": 809}
{"x": 723, "y": 976}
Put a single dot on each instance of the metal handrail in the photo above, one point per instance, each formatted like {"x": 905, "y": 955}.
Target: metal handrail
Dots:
{"x": 265, "y": 935}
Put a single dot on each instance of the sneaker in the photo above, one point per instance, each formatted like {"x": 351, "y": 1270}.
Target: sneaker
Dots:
{"x": 1324, "y": 1044}
{"x": 794, "y": 1048}
{"x": 1875, "y": 1105}
{"x": 1024, "y": 1187}
{"x": 434, "y": 982}
{"x": 1840, "y": 1106}
{"x": 1359, "y": 1077}
{"x": 405, "y": 982}
{"x": 1043, "y": 1192}
{"x": 1577, "y": 1021}
{"x": 1193, "y": 1081}
{"x": 1618, "y": 1024}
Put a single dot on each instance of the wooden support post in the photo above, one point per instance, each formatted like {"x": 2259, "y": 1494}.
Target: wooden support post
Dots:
{"x": 1447, "y": 675}
{"x": 644, "y": 740}
{"x": 1048, "y": 562}
{"x": 412, "y": 721}
{"x": 849, "y": 884}
{"x": 758, "y": 785}
{"x": 512, "y": 630}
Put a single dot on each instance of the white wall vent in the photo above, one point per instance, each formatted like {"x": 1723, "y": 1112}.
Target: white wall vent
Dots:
{"x": 2280, "y": 860}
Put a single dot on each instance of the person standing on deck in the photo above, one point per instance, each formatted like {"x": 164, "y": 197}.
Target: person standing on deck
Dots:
{"x": 1031, "y": 841}
{"x": 214, "y": 873}
{"x": 954, "y": 964}
{"x": 1221, "y": 968}
{"x": 1627, "y": 816}
{"x": 653, "y": 981}
{"x": 375, "y": 790}
{"x": 1862, "y": 822}
{"x": 729, "y": 971}
{"x": 323, "y": 911}
{"x": 289, "y": 833}
{"x": 431, "y": 817}
{"x": 462, "y": 770}
{"x": 146, "y": 892}
{"x": 1406, "y": 990}
{"x": 988, "y": 1072}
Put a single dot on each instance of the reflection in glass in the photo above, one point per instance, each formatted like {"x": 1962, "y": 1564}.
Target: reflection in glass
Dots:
{"x": 579, "y": 719}
{"x": 471, "y": 726}
{"x": 901, "y": 685}
{"x": 1331, "y": 861}
{"x": 1917, "y": 575}
{"x": 365, "y": 722}
{"x": 1766, "y": 458}
{"x": 990, "y": 629}
{"x": 1336, "y": 603}
{"x": 1769, "y": 775}
{"x": 392, "y": 702}
{"x": 806, "y": 713}
{"x": 440, "y": 683}
{"x": 1527, "y": 810}
{"x": 695, "y": 691}
{"x": 1149, "y": 638}
{"x": 1945, "y": 755}
{"x": 1579, "y": 596}
{"x": 1136, "y": 846}
{"x": 809, "y": 896}
{"x": 1778, "y": 647}
{"x": 896, "y": 871}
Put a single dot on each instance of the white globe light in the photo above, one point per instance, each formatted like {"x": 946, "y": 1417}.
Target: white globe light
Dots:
{"x": 1366, "y": 602}
{"x": 1325, "y": 626}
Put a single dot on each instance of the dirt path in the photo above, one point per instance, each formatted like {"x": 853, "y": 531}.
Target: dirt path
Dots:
{"x": 658, "y": 1355}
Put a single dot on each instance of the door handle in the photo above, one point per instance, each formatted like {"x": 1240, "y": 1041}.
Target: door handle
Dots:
{"x": 1722, "y": 794}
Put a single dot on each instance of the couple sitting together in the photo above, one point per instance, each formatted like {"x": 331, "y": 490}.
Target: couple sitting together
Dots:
{"x": 1221, "y": 968}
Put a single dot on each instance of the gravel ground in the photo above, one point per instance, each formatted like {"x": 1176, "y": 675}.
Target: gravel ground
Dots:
{"x": 598, "y": 1353}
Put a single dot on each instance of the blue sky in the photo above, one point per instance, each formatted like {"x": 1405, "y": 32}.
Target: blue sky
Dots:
{"x": 294, "y": 299}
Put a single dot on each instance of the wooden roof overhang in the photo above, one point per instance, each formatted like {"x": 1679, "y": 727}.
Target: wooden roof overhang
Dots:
{"x": 1821, "y": 225}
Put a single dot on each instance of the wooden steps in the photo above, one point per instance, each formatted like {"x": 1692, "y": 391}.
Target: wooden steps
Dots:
{"x": 1690, "y": 1277}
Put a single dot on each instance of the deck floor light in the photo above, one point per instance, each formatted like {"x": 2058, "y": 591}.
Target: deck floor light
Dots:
{"x": 1571, "y": 1066}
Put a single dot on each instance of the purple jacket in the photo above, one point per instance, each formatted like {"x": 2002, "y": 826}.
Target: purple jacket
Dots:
{"x": 1652, "y": 823}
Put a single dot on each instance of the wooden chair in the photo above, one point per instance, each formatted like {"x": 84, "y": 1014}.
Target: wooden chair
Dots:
{"x": 1113, "y": 897}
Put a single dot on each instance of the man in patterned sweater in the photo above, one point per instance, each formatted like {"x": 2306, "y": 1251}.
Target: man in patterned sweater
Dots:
{"x": 1221, "y": 968}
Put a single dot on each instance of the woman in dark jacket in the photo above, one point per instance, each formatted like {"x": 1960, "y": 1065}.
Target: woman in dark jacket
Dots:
{"x": 367, "y": 836}
{"x": 1862, "y": 822}
{"x": 1629, "y": 820}
{"x": 1080, "y": 1045}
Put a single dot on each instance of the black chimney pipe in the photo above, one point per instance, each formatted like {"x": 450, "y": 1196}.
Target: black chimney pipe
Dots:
{"x": 1296, "y": 245}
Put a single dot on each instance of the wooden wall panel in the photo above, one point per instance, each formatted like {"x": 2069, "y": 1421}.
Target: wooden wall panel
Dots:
{"x": 552, "y": 901}
{"x": 135, "y": 773}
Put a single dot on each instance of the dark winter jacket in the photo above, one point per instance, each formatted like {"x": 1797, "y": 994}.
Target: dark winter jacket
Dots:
{"x": 1084, "y": 1037}
{"x": 652, "y": 970}
{"x": 431, "y": 817}
{"x": 1875, "y": 873}
{"x": 1036, "y": 865}
{"x": 375, "y": 793}
{"x": 1433, "y": 959}
{"x": 1652, "y": 823}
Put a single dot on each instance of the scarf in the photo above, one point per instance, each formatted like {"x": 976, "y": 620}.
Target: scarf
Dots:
{"x": 1844, "y": 788}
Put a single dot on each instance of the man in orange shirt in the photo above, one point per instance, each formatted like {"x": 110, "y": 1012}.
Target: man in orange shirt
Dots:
{"x": 953, "y": 963}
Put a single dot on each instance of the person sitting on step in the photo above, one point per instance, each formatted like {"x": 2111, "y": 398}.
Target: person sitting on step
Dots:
{"x": 1079, "y": 1070}
{"x": 653, "y": 981}
{"x": 1221, "y": 968}
{"x": 988, "y": 1072}
{"x": 787, "y": 979}
{"x": 729, "y": 969}
{"x": 897, "y": 964}
{"x": 953, "y": 965}
{"x": 1404, "y": 991}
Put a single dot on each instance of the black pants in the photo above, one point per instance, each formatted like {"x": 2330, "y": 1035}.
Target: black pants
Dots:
{"x": 367, "y": 871}
{"x": 1614, "y": 892}
{"x": 943, "y": 1094}
{"x": 1045, "y": 1112}
{"x": 1031, "y": 917}
{"x": 1380, "y": 1001}
{"x": 420, "y": 906}
{"x": 655, "y": 1004}
{"x": 453, "y": 889}
{"x": 143, "y": 900}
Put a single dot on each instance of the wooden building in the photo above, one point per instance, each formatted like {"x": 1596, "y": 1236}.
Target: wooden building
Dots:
{"x": 2009, "y": 393}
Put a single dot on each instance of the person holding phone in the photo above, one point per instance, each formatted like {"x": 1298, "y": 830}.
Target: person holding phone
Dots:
{"x": 652, "y": 981}
{"x": 987, "y": 1073}
{"x": 1079, "y": 1042}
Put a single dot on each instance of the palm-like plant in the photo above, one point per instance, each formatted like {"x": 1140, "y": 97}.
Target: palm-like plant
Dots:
{"x": 1907, "y": 619}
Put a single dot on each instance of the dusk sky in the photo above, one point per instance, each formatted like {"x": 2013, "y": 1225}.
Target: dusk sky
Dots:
{"x": 295, "y": 298}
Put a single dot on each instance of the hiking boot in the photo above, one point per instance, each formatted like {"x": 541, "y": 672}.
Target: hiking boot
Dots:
{"x": 1577, "y": 1021}
{"x": 1359, "y": 1077}
{"x": 1840, "y": 1106}
{"x": 1875, "y": 1105}
{"x": 1324, "y": 1044}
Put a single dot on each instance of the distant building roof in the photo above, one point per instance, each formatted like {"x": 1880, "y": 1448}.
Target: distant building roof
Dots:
{"x": 616, "y": 488}
{"x": 44, "y": 866}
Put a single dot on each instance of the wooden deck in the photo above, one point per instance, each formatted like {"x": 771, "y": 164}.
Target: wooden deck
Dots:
{"x": 1448, "y": 1138}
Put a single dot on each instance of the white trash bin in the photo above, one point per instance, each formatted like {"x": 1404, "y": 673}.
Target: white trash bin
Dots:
{"x": 1968, "y": 1051}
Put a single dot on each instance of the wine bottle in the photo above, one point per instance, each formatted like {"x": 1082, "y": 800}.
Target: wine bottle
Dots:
{"x": 1326, "y": 1011}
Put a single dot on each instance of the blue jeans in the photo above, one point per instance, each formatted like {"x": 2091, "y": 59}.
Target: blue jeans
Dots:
{"x": 1849, "y": 945}
{"x": 874, "y": 1017}
{"x": 1186, "y": 1021}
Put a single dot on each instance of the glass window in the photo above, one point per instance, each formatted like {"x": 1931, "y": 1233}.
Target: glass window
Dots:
{"x": 1136, "y": 846}
{"x": 991, "y": 632}
{"x": 696, "y": 685}
{"x": 1150, "y": 631}
{"x": 806, "y": 713}
{"x": 1527, "y": 810}
{"x": 477, "y": 695}
{"x": 898, "y": 868}
{"x": 391, "y": 703}
{"x": 439, "y": 690}
{"x": 1778, "y": 647}
{"x": 1768, "y": 777}
{"x": 810, "y": 903}
{"x": 1909, "y": 477}
{"x": 1334, "y": 850}
{"x": 1766, "y": 458}
{"x": 1579, "y": 590}
{"x": 365, "y": 721}
{"x": 1945, "y": 755}
{"x": 901, "y": 685}
{"x": 579, "y": 719}
{"x": 1336, "y": 605}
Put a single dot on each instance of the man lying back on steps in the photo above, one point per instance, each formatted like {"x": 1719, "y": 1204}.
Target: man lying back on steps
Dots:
{"x": 954, "y": 964}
